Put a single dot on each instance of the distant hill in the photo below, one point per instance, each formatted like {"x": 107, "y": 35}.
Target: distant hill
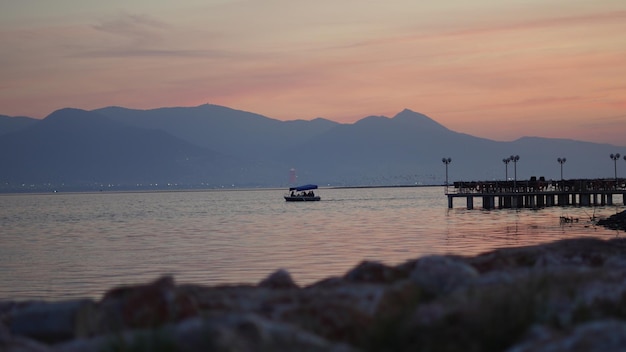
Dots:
{"x": 220, "y": 128}
{"x": 84, "y": 148}
{"x": 214, "y": 146}
{"x": 12, "y": 124}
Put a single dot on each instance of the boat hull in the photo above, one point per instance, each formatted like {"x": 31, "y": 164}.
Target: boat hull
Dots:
{"x": 302, "y": 198}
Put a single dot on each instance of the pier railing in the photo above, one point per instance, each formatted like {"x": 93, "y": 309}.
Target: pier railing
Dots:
{"x": 538, "y": 192}
{"x": 536, "y": 185}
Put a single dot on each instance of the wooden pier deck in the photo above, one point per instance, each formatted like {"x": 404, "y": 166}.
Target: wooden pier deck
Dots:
{"x": 538, "y": 193}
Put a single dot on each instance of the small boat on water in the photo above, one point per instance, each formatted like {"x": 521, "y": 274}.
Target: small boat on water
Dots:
{"x": 302, "y": 194}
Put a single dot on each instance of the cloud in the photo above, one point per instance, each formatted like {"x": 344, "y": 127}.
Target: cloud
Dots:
{"x": 126, "y": 52}
{"x": 605, "y": 122}
{"x": 536, "y": 102}
{"x": 132, "y": 35}
{"x": 137, "y": 28}
{"x": 600, "y": 18}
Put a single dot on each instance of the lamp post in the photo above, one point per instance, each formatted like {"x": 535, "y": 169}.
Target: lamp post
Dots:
{"x": 506, "y": 162}
{"x": 624, "y": 160}
{"x": 615, "y": 157}
{"x": 561, "y": 161}
{"x": 515, "y": 159}
{"x": 446, "y": 161}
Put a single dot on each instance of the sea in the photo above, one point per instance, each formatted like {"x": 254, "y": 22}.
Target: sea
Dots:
{"x": 60, "y": 246}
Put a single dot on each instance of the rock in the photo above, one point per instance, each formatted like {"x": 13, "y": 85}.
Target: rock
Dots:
{"x": 337, "y": 315}
{"x": 142, "y": 306}
{"x": 373, "y": 272}
{"x": 597, "y": 336}
{"x": 337, "y": 312}
{"x": 239, "y": 298}
{"x": 614, "y": 222}
{"x": 53, "y": 322}
{"x": 13, "y": 343}
{"x": 224, "y": 332}
{"x": 437, "y": 275}
{"x": 253, "y": 333}
{"x": 21, "y": 344}
{"x": 280, "y": 279}
{"x": 581, "y": 252}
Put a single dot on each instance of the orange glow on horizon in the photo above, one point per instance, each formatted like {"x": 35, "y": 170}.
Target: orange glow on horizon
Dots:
{"x": 501, "y": 71}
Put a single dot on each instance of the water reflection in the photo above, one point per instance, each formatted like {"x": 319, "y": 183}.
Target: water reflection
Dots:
{"x": 77, "y": 245}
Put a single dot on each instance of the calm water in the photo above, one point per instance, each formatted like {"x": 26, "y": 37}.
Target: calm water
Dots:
{"x": 60, "y": 246}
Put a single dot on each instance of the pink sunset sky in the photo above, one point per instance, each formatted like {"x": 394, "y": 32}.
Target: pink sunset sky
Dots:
{"x": 490, "y": 68}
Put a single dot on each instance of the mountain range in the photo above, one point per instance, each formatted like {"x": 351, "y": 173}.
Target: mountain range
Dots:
{"x": 211, "y": 146}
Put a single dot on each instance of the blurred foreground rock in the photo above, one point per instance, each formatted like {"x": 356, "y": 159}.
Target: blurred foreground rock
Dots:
{"x": 568, "y": 295}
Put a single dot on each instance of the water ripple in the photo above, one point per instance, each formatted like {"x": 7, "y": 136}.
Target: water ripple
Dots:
{"x": 58, "y": 246}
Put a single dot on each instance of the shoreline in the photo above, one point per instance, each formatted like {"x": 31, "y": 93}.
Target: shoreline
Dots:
{"x": 565, "y": 293}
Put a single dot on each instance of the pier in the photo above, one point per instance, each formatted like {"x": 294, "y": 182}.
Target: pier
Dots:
{"x": 538, "y": 193}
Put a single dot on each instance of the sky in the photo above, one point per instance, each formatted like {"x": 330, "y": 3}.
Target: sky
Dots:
{"x": 490, "y": 68}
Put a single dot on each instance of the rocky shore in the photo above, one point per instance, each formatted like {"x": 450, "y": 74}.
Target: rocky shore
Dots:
{"x": 568, "y": 295}
{"x": 615, "y": 222}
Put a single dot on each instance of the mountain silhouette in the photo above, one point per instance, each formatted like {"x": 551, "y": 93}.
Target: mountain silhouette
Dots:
{"x": 233, "y": 132}
{"x": 12, "y": 124}
{"x": 81, "y": 147}
{"x": 216, "y": 146}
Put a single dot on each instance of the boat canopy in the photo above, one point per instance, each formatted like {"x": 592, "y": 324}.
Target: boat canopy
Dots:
{"x": 303, "y": 188}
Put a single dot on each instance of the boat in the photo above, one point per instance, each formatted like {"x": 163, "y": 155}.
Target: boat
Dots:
{"x": 302, "y": 194}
